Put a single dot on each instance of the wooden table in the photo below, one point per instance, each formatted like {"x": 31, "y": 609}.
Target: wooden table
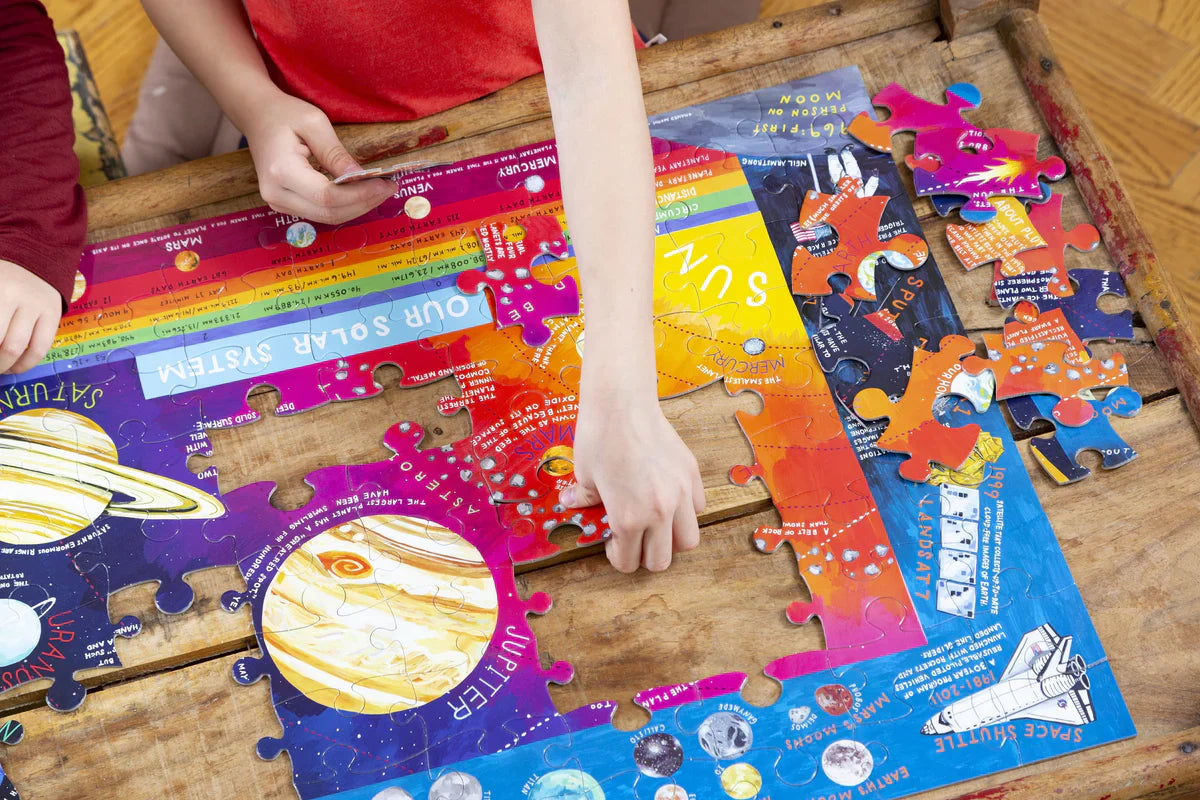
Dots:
{"x": 172, "y": 723}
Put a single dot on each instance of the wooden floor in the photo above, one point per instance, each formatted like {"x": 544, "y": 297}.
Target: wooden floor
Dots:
{"x": 1134, "y": 63}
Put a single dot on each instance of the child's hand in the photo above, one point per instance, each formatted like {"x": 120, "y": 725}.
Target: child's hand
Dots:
{"x": 632, "y": 460}
{"x": 283, "y": 133}
{"x": 29, "y": 312}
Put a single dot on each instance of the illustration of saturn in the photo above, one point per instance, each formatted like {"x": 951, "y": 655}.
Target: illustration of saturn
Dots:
{"x": 59, "y": 472}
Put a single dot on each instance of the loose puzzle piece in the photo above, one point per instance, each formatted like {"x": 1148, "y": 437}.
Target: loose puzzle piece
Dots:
{"x": 1044, "y": 368}
{"x": 1000, "y": 240}
{"x": 1030, "y": 294}
{"x": 909, "y": 113}
{"x": 1058, "y": 455}
{"x": 1028, "y": 326}
{"x": 1046, "y": 219}
{"x": 517, "y": 296}
{"x": 912, "y": 428}
{"x": 944, "y": 162}
{"x": 859, "y": 251}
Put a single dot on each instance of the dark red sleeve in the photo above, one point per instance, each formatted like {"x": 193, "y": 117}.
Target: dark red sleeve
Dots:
{"x": 43, "y": 216}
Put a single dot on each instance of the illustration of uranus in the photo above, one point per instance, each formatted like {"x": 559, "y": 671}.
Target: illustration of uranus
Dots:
{"x": 20, "y": 628}
{"x": 59, "y": 472}
{"x": 380, "y": 614}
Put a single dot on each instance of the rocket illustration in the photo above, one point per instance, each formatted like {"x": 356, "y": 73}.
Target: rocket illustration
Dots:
{"x": 1042, "y": 681}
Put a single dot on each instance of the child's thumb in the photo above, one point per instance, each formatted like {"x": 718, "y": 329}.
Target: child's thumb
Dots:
{"x": 579, "y": 495}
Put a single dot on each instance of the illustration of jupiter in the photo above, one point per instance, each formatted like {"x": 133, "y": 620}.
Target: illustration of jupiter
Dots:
{"x": 381, "y": 614}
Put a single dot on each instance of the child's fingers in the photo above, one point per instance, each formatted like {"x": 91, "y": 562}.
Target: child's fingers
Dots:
{"x": 39, "y": 343}
{"x": 16, "y": 338}
{"x": 579, "y": 495}
{"x": 685, "y": 529}
{"x": 324, "y": 144}
{"x": 344, "y": 202}
{"x": 624, "y": 549}
{"x": 699, "y": 499}
{"x": 656, "y": 547}
{"x": 289, "y": 202}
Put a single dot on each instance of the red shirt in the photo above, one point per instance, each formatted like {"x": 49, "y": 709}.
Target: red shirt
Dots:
{"x": 392, "y": 60}
{"x": 43, "y": 216}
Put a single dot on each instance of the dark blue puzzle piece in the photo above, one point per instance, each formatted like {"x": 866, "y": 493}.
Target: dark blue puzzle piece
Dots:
{"x": 1080, "y": 309}
{"x": 1058, "y": 454}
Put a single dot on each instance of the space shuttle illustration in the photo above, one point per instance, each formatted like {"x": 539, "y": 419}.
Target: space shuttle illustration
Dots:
{"x": 1042, "y": 681}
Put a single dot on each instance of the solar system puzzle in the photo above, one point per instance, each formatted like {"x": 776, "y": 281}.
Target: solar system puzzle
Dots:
{"x": 789, "y": 263}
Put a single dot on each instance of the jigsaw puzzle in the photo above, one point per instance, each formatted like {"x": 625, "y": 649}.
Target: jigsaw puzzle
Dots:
{"x": 1092, "y": 429}
{"x": 399, "y": 655}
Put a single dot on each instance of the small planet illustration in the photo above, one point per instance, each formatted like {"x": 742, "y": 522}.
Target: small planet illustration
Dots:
{"x": 187, "y": 260}
{"x": 799, "y": 715}
{"x": 566, "y": 784}
{"x": 417, "y": 207}
{"x": 741, "y": 781}
{"x": 725, "y": 734}
{"x": 834, "y": 699}
{"x": 659, "y": 755}
{"x": 20, "y": 628}
{"x": 558, "y": 460}
{"x": 80, "y": 286}
{"x": 672, "y": 791}
{"x": 393, "y": 793}
{"x": 847, "y": 762}
{"x": 355, "y": 618}
{"x": 301, "y": 234}
{"x": 59, "y": 472}
{"x": 754, "y": 346}
{"x": 534, "y": 183}
{"x": 456, "y": 786}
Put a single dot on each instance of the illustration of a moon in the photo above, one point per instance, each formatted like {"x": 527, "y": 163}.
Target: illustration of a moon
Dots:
{"x": 834, "y": 699}
{"x": 59, "y": 472}
{"x": 659, "y": 755}
{"x": 393, "y": 793}
{"x": 741, "y": 781}
{"x": 566, "y": 784}
{"x": 535, "y": 183}
{"x": 847, "y": 763}
{"x": 672, "y": 791}
{"x": 20, "y": 628}
{"x": 725, "y": 735}
{"x": 380, "y": 614}
{"x": 799, "y": 715}
{"x": 456, "y": 786}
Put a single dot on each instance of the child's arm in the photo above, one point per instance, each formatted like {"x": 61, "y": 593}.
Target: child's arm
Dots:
{"x": 212, "y": 37}
{"x": 626, "y": 453}
{"x": 42, "y": 214}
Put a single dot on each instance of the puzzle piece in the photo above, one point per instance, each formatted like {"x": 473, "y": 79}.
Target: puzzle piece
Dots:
{"x": 1002, "y": 239}
{"x": 912, "y": 429}
{"x": 518, "y": 298}
{"x": 1046, "y": 218}
{"x": 944, "y": 162}
{"x": 1028, "y": 326}
{"x": 909, "y": 113}
{"x": 1058, "y": 455}
{"x": 1043, "y": 368}
{"x": 1030, "y": 294}
{"x": 859, "y": 251}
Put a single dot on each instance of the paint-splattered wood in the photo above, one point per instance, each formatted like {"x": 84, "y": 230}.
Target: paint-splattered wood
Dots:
{"x": 1149, "y": 282}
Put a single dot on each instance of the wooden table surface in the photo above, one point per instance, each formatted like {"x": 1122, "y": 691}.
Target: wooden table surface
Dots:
{"x": 172, "y": 723}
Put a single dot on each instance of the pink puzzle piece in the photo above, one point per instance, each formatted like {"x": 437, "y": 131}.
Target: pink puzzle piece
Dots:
{"x": 914, "y": 114}
{"x": 519, "y": 298}
{"x": 1010, "y": 168}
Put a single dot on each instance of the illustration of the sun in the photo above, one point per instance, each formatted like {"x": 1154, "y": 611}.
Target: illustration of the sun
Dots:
{"x": 59, "y": 472}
